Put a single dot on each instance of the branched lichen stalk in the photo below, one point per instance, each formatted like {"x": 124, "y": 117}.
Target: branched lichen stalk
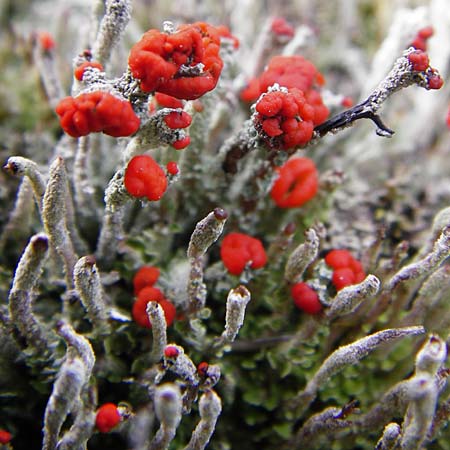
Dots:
{"x": 168, "y": 411}
{"x": 54, "y": 217}
{"x": 159, "y": 330}
{"x": 348, "y": 355}
{"x": 302, "y": 257}
{"x": 89, "y": 286}
{"x": 28, "y": 272}
{"x": 210, "y": 407}
{"x": 400, "y": 76}
{"x": 441, "y": 250}
{"x": 117, "y": 15}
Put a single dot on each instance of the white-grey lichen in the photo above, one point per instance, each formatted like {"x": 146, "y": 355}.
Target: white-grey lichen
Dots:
{"x": 302, "y": 257}
{"x": 206, "y": 232}
{"x": 89, "y": 287}
{"x": 390, "y": 438}
{"x": 168, "y": 406}
{"x": 117, "y": 15}
{"x": 64, "y": 397}
{"x": 24, "y": 167}
{"x": 347, "y": 355}
{"x": 23, "y": 292}
{"x": 440, "y": 251}
{"x": 159, "y": 330}
{"x": 350, "y": 297}
{"x": 237, "y": 302}
{"x": 210, "y": 407}
{"x": 54, "y": 215}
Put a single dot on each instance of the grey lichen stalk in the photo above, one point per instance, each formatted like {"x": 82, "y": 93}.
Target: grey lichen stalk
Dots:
{"x": 226, "y": 359}
{"x": 349, "y": 355}
{"x": 54, "y": 216}
{"x": 23, "y": 292}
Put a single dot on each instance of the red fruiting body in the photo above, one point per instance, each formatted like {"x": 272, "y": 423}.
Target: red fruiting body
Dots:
{"x": 343, "y": 277}
{"x": 426, "y": 33}
{"x": 420, "y": 41}
{"x": 447, "y": 120}
{"x": 172, "y": 167}
{"x": 151, "y": 294}
{"x": 169, "y": 63}
{"x": 347, "y": 102}
{"x": 306, "y": 298}
{"x": 224, "y": 32}
{"x": 435, "y": 81}
{"x": 79, "y": 71}
{"x": 46, "y": 41}
{"x": 177, "y": 119}
{"x": 419, "y": 60}
{"x": 339, "y": 258}
{"x": 167, "y": 101}
{"x": 287, "y": 119}
{"x": 297, "y": 183}
{"x": 252, "y": 91}
{"x": 107, "y": 417}
{"x": 97, "y": 111}
{"x": 281, "y": 27}
{"x": 239, "y": 249}
{"x": 171, "y": 351}
{"x": 181, "y": 143}
{"x": 288, "y": 71}
{"x": 347, "y": 269}
{"x": 145, "y": 276}
{"x": 202, "y": 368}
{"x": 198, "y": 106}
{"x": 5, "y": 436}
{"x": 145, "y": 178}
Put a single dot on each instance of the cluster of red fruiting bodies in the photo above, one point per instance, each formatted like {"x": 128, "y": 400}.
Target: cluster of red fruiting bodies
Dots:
{"x": 420, "y": 63}
{"x": 185, "y": 64}
{"x": 181, "y": 65}
{"x": 346, "y": 271}
{"x": 286, "y": 118}
{"x": 419, "y": 59}
{"x": 97, "y": 111}
{"x": 145, "y": 292}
